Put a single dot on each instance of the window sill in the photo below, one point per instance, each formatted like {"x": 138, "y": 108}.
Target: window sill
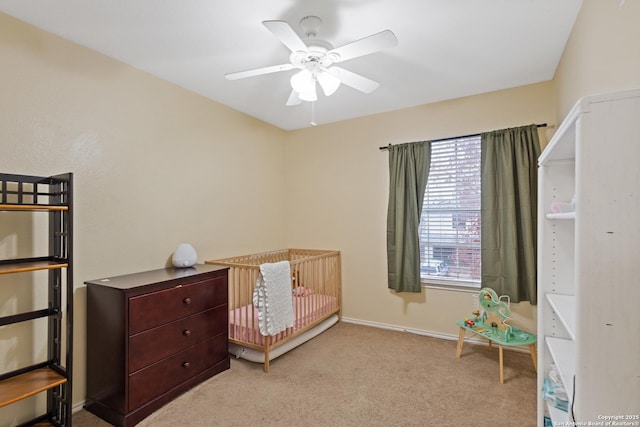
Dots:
{"x": 447, "y": 285}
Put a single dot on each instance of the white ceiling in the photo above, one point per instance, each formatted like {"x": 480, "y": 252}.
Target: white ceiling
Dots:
{"x": 446, "y": 48}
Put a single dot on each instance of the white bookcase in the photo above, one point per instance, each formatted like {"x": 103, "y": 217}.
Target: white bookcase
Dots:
{"x": 589, "y": 261}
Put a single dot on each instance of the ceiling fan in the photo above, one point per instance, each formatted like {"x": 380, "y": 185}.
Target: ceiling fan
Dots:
{"x": 315, "y": 58}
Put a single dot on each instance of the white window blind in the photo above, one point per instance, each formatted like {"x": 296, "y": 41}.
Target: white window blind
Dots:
{"x": 450, "y": 221}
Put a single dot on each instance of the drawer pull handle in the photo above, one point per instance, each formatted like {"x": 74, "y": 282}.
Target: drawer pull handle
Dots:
{"x": 185, "y": 364}
{"x": 187, "y": 300}
{"x": 186, "y": 332}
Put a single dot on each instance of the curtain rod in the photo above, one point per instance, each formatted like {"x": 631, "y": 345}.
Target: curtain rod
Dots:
{"x": 542, "y": 125}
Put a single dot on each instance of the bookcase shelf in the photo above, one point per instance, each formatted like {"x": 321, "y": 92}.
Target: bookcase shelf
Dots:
{"x": 32, "y": 207}
{"x": 565, "y": 308}
{"x": 53, "y": 196}
{"x": 587, "y": 277}
{"x": 29, "y": 384}
{"x": 561, "y": 215}
{"x": 22, "y": 266}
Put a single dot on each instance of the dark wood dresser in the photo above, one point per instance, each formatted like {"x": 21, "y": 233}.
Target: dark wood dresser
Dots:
{"x": 151, "y": 336}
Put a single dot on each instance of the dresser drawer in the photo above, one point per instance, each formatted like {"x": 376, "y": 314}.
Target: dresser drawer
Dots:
{"x": 152, "y": 381}
{"x": 155, "y": 344}
{"x": 158, "y": 308}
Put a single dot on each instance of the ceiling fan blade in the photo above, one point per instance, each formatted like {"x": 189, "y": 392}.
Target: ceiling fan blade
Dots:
{"x": 355, "y": 81}
{"x": 258, "y": 71}
{"x": 294, "y": 99}
{"x": 365, "y": 46}
{"x": 286, "y": 35}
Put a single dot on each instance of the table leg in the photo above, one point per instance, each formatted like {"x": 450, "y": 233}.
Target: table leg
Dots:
{"x": 490, "y": 347}
{"x": 534, "y": 356}
{"x": 501, "y": 366}
{"x": 460, "y": 342}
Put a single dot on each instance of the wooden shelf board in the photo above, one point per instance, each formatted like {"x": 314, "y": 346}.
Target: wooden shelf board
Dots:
{"x": 28, "y": 384}
{"x": 12, "y": 207}
{"x": 21, "y": 267}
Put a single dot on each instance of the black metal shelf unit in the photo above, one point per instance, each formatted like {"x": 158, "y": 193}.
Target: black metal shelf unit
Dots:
{"x": 53, "y": 376}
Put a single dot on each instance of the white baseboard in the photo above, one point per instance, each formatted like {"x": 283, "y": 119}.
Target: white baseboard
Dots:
{"x": 470, "y": 339}
{"x": 77, "y": 407}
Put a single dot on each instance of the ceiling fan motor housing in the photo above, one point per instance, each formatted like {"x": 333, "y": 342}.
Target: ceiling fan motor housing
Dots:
{"x": 310, "y": 26}
{"x": 316, "y": 54}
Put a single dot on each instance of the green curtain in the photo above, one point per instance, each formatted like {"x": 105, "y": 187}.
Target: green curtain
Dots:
{"x": 509, "y": 211}
{"x": 408, "y": 172}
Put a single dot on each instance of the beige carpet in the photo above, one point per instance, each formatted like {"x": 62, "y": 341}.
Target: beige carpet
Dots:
{"x": 354, "y": 375}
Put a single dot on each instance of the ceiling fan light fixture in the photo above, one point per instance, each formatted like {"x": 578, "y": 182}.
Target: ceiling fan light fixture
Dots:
{"x": 309, "y": 94}
{"x": 302, "y": 81}
{"x": 329, "y": 82}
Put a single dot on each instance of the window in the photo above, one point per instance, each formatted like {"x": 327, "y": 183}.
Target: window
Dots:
{"x": 450, "y": 223}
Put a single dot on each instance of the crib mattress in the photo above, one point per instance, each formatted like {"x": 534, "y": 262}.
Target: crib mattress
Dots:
{"x": 257, "y": 356}
{"x": 243, "y": 321}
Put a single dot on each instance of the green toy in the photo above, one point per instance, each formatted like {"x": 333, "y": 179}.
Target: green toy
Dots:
{"x": 491, "y": 323}
{"x": 496, "y": 313}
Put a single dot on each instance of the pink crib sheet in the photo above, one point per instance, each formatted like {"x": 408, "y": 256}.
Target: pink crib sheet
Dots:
{"x": 243, "y": 321}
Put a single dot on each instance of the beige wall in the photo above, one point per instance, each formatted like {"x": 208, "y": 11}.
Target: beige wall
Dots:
{"x": 603, "y": 52}
{"x": 338, "y": 179}
{"x": 154, "y": 166}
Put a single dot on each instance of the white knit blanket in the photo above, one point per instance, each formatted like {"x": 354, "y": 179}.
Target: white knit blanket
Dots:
{"x": 272, "y": 298}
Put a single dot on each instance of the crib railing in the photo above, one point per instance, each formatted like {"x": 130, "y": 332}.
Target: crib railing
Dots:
{"x": 316, "y": 286}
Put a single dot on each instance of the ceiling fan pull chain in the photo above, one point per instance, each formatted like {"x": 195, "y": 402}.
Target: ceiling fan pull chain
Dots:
{"x": 313, "y": 114}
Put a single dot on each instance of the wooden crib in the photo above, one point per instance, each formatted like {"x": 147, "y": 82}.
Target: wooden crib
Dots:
{"x": 316, "y": 293}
